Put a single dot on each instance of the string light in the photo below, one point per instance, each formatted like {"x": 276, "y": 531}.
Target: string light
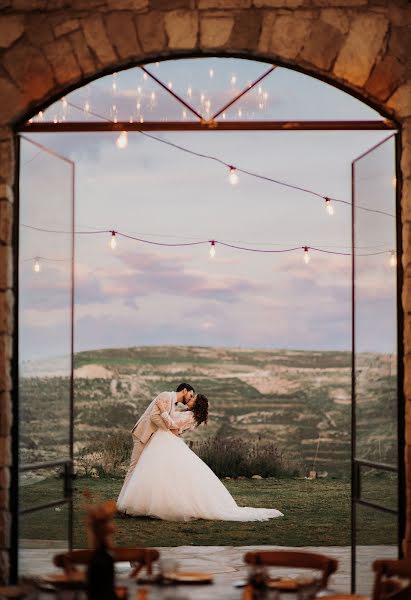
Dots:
{"x": 233, "y": 80}
{"x": 113, "y": 241}
{"x": 170, "y": 85}
{"x": 211, "y": 73}
{"x": 212, "y": 249}
{"x": 64, "y": 103}
{"x": 233, "y": 176}
{"x": 37, "y": 265}
{"x": 328, "y": 206}
{"x": 189, "y": 92}
{"x": 87, "y": 106}
{"x": 122, "y": 140}
{"x": 393, "y": 259}
{"x": 306, "y": 255}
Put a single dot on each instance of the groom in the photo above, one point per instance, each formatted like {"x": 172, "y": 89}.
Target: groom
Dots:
{"x": 158, "y": 415}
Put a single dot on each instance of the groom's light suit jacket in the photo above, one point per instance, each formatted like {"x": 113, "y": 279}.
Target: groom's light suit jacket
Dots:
{"x": 153, "y": 418}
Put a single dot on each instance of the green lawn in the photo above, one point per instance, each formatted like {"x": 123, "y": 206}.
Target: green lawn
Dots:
{"x": 317, "y": 513}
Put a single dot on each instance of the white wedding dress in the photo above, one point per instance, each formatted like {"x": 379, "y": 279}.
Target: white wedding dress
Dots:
{"x": 171, "y": 482}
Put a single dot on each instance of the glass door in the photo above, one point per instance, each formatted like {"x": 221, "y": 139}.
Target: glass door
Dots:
{"x": 45, "y": 367}
{"x": 377, "y": 374}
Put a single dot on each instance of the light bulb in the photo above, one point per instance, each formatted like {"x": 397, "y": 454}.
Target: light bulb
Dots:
{"x": 189, "y": 92}
{"x": 233, "y": 80}
{"x": 211, "y": 73}
{"x": 394, "y": 182}
{"x": 184, "y": 114}
{"x": 145, "y": 76}
{"x": 328, "y": 206}
{"x": 113, "y": 241}
{"x": 393, "y": 259}
{"x": 306, "y": 255}
{"x": 212, "y": 249}
{"x": 37, "y": 265}
{"x": 41, "y": 115}
{"x": 122, "y": 140}
{"x": 170, "y": 85}
{"x": 64, "y": 102}
{"x": 233, "y": 176}
{"x": 153, "y": 96}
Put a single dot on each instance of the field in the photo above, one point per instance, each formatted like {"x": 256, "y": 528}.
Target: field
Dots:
{"x": 317, "y": 513}
{"x": 298, "y": 401}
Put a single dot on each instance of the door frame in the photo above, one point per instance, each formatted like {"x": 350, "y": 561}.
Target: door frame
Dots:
{"x": 357, "y": 463}
{"x": 67, "y": 463}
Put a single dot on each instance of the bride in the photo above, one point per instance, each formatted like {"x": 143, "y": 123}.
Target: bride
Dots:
{"x": 171, "y": 482}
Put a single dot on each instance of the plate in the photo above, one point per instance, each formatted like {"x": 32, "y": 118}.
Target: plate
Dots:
{"x": 75, "y": 579}
{"x": 192, "y": 577}
{"x": 289, "y": 584}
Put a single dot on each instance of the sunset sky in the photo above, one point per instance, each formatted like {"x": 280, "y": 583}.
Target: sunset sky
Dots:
{"x": 142, "y": 294}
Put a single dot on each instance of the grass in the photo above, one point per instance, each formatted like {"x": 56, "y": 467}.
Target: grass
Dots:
{"x": 317, "y": 513}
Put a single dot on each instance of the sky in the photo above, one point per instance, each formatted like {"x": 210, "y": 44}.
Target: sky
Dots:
{"x": 143, "y": 294}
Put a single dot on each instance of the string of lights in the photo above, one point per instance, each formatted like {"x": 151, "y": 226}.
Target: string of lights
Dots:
{"x": 233, "y": 171}
{"x": 212, "y": 243}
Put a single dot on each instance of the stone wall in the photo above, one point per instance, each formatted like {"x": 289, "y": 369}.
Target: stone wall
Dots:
{"x": 48, "y": 47}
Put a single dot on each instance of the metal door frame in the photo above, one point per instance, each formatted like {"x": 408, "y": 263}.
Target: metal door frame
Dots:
{"x": 67, "y": 462}
{"x": 357, "y": 463}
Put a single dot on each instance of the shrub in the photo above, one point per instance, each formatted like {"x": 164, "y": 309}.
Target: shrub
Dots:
{"x": 238, "y": 458}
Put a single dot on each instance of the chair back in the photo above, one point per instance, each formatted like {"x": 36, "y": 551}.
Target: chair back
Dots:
{"x": 138, "y": 557}
{"x": 392, "y": 579}
{"x": 295, "y": 559}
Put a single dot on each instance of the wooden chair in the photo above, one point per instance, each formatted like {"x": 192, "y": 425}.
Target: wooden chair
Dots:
{"x": 297, "y": 560}
{"x": 139, "y": 558}
{"x": 392, "y": 579}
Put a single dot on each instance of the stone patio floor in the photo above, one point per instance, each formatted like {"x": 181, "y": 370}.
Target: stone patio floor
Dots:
{"x": 225, "y": 562}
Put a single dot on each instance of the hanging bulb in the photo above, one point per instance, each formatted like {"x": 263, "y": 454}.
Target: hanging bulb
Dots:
{"x": 233, "y": 80}
{"x": 306, "y": 255}
{"x": 233, "y": 176}
{"x": 189, "y": 92}
{"x": 122, "y": 140}
{"x": 87, "y": 107}
{"x": 170, "y": 85}
{"x": 393, "y": 259}
{"x": 37, "y": 265}
{"x": 64, "y": 103}
{"x": 113, "y": 241}
{"x": 328, "y": 206}
{"x": 211, "y": 73}
{"x": 212, "y": 249}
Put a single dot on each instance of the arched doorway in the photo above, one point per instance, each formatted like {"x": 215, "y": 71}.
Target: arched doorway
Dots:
{"x": 138, "y": 126}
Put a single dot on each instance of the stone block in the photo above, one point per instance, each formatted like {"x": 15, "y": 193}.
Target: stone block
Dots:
{"x": 399, "y": 43}
{"x": 66, "y": 26}
{"x": 288, "y": 36}
{"x": 97, "y": 39}
{"x": 266, "y": 34}
{"x": 6, "y": 267}
{"x": 4, "y": 477}
{"x": 215, "y": 31}
{"x": 167, "y": 5}
{"x": 400, "y": 101}
{"x": 322, "y": 45}
{"x": 223, "y": 4}
{"x": 5, "y": 451}
{"x": 385, "y": 78}
{"x": 4, "y": 567}
{"x": 406, "y": 158}
{"x": 340, "y": 3}
{"x": 84, "y": 57}
{"x": 39, "y": 30}
{"x": 11, "y": 28}
{"x": 133, "y": 5}
{"x": 5, "y": 357}
{"x": 6, "y": 414}
{"x": 278, "y": 3}
{"x": 5, "y": 521}
{"x": 182, "y": 29}
{"x": 27, "y": 66}
{"x": 11, "y": 102}
{"x": 63, "y": 61}
{"x": 6, "y": 216}
{"x": 336, "y": 17}
{"x": 122, "y": 33}
{"x": 246, "y": 31}
{"x": 151, "y": 32}
{"x": 361, "y": 48}
{"x": 6, "y": 312}
{"x": 7, "y": 163}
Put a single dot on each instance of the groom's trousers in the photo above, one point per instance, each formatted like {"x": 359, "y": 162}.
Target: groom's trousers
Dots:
{"x": 138, "y": 448}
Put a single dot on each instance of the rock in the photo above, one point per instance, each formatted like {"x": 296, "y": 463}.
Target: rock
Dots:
{"x": 215, "y": 31}
{"x": 11, "y": 28}
{"x": 322, "y": 474}
{"x": 182, "y": 28}
{"x": 257, "y": 477}
{"x": 227, "y": 478}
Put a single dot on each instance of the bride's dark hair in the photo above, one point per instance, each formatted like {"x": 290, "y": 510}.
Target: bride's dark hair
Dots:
{"x": 200, "y": 409}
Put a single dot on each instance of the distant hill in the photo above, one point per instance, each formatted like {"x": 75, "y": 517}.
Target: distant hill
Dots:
{"x": 300, "y": 400}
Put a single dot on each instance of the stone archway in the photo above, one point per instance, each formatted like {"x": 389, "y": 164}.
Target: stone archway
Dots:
{"x": 47, "y": 49}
